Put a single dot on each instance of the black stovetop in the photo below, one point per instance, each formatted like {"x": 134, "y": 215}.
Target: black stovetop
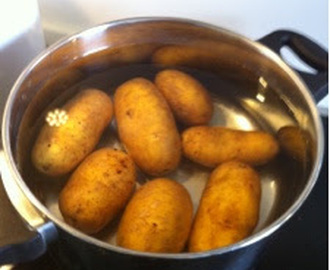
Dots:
{"x": 302, "y": 243}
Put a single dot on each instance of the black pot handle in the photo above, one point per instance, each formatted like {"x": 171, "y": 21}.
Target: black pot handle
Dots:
{"x": 20, "y": 241}
{"x": 308, "y": 51}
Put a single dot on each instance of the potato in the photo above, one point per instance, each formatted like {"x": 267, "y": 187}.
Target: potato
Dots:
{"x": 229, "y": 207}
{"x": 98, "y": 190}
{"x": 210, "y": 145}
{"x": 188, "y": 99}
{"x": 295, "y": 142}
{"x": 183, "y": 55}
{"x": 147, "y": 127}
{"x": 157, "y": 219}
{"x": 220, "y": 57}
{"x": 72, "y": 132}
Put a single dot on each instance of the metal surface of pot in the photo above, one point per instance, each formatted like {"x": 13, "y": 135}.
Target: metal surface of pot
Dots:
{"x": 258, "y": 91}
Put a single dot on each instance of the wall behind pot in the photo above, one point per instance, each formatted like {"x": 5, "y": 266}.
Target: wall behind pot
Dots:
{"x": 253, "y": 18}
{"x": 21, "y": 39}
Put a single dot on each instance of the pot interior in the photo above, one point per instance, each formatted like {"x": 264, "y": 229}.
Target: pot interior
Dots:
{"x": 251, "y": 89}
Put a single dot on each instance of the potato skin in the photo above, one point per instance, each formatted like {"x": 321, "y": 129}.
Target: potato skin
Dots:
{"x": 211, "y": 145}
{"x": 157, "y": 219}
{"x": 147, "y": 127}
{"x": 58, "y": 150}
{"x": 229, "y": 207}
{"x": 187, "y": 97}
{"x": 98, "y": 190}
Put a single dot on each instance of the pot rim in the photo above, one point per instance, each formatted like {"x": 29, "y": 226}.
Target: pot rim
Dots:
{"x": 256, "y": 237}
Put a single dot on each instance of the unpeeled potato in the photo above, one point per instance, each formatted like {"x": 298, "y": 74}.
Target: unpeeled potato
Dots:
{"x": 72, "y": 132}
{"x": 157, "y": 219}
{"x": 98, "y": 190}
{"x": 187, "y": 97}
{"x": 295, "y": 142}
{"x": 229, "y": 207}
{"x": 219, "y": 57}
{"x": 146, "y": 127}
{"x": 211, "y": 145}
{"x": 185, "y": 55}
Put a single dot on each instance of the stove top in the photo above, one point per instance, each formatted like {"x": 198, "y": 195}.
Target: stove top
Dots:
{"x": 302, "y": 243}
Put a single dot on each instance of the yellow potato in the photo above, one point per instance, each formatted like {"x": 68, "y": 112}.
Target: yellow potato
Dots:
{"x": 219, "y": 57}
{"x": 229, "y": 207}
{"x": 98, "y": 190}
{"x": 147, "y": 127}
{"x": 211, "y": 146}
{"x": 295, "y": 142}
{"x": 72, "y": 132}
{"x": 157, "y": 219}
{"x": 183, "y": 55}
{"x": 188, "y": 99}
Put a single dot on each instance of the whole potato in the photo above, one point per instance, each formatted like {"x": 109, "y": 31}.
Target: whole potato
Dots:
{"x": 147, "y": 127}
{"x": 295, "y": 142}
{"x": 216, "y": 56}
{"x": 185, "y": 55}
{"x": 157, "y": 219}
{"x": 98, "y": 190}
{"x": 229, "y": 207}
{"x": 188, "y": 99}
{"x": 211, "y": 145}
{"x": 72, "y": 132}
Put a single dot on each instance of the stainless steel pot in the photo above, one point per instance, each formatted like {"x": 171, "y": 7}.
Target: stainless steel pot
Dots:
{"x": 258, "y": 91}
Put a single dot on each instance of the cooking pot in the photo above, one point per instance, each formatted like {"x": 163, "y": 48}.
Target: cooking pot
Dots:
{"x": 251, "y": 86}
